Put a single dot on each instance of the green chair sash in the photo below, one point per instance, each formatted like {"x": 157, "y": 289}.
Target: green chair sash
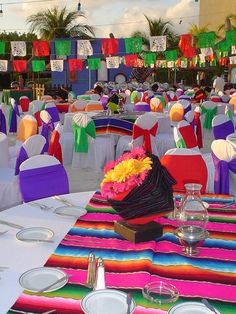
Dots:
{"x": 209, "y": 115}
{"x": 81, "y": 143}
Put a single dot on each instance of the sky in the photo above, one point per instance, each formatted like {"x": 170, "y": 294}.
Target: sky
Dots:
{"x": 120, "y": 17}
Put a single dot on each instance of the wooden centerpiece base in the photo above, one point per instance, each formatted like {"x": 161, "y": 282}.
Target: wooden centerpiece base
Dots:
{"x": 138, "y": 233}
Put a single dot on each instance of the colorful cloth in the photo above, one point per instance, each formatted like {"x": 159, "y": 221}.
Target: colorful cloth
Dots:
{"x": 185, "y": 46}
{"x": 109, "y": 46}
{"x": 128, "y": 266}
{"x": 94, "y": 63}
{"x": 38, "y": 65}
{"x": 41, "y": 48}
{"x": 133, "y": 45}
{"x": 2, "y": 47}
{"x": 171, "y": 55}
{"x": 206, "y": 39}
{"x": 130, "y": 60}
{"x": 63, "y": 47}
{"x": 19, "y": 65}
{"x": 75, "y": 64}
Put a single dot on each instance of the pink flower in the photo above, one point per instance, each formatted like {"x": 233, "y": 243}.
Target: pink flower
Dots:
{"x": 110, "y": 165}
{"x": 137, "y": 153}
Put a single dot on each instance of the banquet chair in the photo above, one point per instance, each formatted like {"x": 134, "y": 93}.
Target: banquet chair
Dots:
{"x": 176, "y": 112}
{"x": 186, "y": 105}
{"x": 141, "y": 106}
{"x": 95, "y": 97}
{"x": 14, "y": 116}
{"x": 209, "y": 110}
{"x": 135, "y": 96}
{"x": 94, "y": 105}
{"x": 46, "y": 98}
{"x": 171, "y": 95}
{"x": 189, "y": 117}
{"x": 54, "y": 148}
{"x": 222, "y": 126}
{"x": 184, "y": 136}
{"x": 42, "y": 176}
{"x": 35, "y": 107}
{"x": 233, "y": 102}
{"x": 78, "y": 105}
{"x": 24, "y": 103}
{"x": 4, "y": 151}
{"x": 51, "y": 108}
{"x": 185, "y": 166}
{"x": 3, "y": 123}
{"x": 34, "y": 145}
{"x": 27, "y": 127}
{"x": 224, "y": 158}
{"x": 47, "y": 127}
{"x": 90, "y": 151}
{"x": 156, "y": 105}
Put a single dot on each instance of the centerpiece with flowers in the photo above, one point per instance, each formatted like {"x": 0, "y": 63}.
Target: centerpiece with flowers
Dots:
{"x": 138, "y": 187}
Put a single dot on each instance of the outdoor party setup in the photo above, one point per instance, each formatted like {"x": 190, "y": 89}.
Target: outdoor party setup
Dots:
{"x": 158, "y": 236}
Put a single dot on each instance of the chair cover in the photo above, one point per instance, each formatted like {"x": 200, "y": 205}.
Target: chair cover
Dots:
{"x": 54, "y": 148}
{"x": 47, "y": 127}
{"x": 42, "y": 176}
{"x": 156, "y": 104}
{"x": 34, "y": 145}
{"x": 185, "y": 166}
{"x": 171, "y": 95}
{"x": 198, "y": 126}
{"x": 189, "y": 117}
{"x": 209, "y": 110}
{"x": 24, "y": 103}
{"x": 93, "y": 106}
{"x": 27, "y": 127}
{"x": 186, "y": 105}
{"x": 4, "y": 151}
{"x": 228, "y": 112}
{"x": 224, "y": 158}
{"x": 3, "y": 125}
{"x": 46, "y": 98}
{"x": 95, "y": 97}
{"x": 13, "y": 114}
{"x": 176, "y": 112}
{"x": 184, "y": 135}
{"x": 141, "y": 106}
{"x": 35, "y": 107}
{"x": 233, "y": 102}
{"x": 222, "y": 126}
{"x": 78, "y": 105}
{"x": 51, "y": 108}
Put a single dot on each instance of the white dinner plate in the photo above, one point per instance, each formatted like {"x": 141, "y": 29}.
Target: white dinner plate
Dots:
{"x": 106, "y": 301}
{"x": 37, "y": 279}
{"x": 74, "y": 211}
{"x": 190, "y": 307}
{"x": 34, "y": 234}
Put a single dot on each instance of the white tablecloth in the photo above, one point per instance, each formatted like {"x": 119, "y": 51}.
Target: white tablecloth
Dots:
{"x": 22, "y": 256}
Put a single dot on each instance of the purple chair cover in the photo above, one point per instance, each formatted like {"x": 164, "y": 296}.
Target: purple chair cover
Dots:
{"x": 179, "y": 92}
{"x": 22, "y": 156}
{"x": 43, "y": 182}
{"x": 142, "y": 108}
{"x": 188, "y": 108}
{"x": 104, "y": 100}
{"x": 186, "y": 97}
{"x": 47, "y": 128}
{"x": 223, "y": 130}
{"x": 3, "y": 125}
{"x": 53, "y": 111}
{"x": 13, "y": 121}
{"x": 221, "y": 180}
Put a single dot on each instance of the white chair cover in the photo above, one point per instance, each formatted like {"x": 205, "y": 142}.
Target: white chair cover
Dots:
{"x": 4, "y": 151}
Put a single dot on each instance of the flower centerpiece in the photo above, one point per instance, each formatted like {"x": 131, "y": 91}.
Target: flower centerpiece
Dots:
{"x": 137, "y": 185}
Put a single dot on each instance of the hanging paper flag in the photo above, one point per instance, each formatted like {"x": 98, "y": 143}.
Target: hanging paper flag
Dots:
{"x": 178, "y": 63}
{"x": 222, "y": 45}
{"x": 75, "y": 64}
{"x": 185, "y": 46}
{"x": 171, "y": 55}
{"x": 170, "y": 64}
{"x": 207, "y": 51}
{"x": 157, "y": 43}
{"x": 2, "y": 47}
{"x": 113, "y": 62}
{"x": 18, "y": 48}
{"x": 233, "y": 50}
{"x": 130, "y": 60}
{"x": 3, "y": 65}
{"x": 63, "y": 47}
{"x": 223, "y": 61}
{"x": 109, "y": 46}
{"x": 56, "y": 65}
{"x": 231, "y": 37}
{"x": 232, "y": 60}
{"x": 213, "y": 62}
{"x": 38, "y": 65}
{"x": 133, "y": 45}
{"x": 84, "y": 48}
{"x": 184, "y": 63}
{"x": 94, "y": 63}
{"x": 19, "y": 65}
{"x": 149, "y": 58}
{"x": 41, "y": 48}
{"x": 206, "y": 39}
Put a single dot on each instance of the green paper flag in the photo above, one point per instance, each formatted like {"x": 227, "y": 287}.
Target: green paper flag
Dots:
{"x": 149, "y": 58}
{"x": 171, "y": 55}
{"x": 2, "y": 47}
{"x": 231, "y": 37}
{"x": 133, "y": 45}
{"x": 206, "y": 40}
{"x": 94, "y": 63}
{"x": 223, "y": 45}
{"x": 38, "y": 65}
{"x": 63, "y": 47}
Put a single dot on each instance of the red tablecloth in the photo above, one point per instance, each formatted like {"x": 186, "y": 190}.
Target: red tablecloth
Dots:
{"x": 62, "y": 107}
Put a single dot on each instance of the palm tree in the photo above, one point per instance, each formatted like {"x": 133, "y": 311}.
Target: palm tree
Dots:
{"x": 230, "y": 24}
{"x": 157, "y": 28}
{"x": 58, "y": 23}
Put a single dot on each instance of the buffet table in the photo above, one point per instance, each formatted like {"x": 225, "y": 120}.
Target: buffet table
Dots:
{"x": 128, "y": 266}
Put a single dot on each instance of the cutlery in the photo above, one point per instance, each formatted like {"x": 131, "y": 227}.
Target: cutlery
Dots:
{"x": 10, "y": 224}
{"x": 35, "y": 240}
{"x": 228, "y": 205}
{"x": 23, "y": 312}
{"x": 59, "y": 198}
{"x": 209, "y": 306}
{"x": 128, "y": 301}
{"x": 41, "y": 206}
{"x": 3, "y": 232}
{"x": 53, "y": 284}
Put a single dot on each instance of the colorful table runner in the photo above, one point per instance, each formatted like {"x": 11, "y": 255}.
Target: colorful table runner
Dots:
{"x": 211, "y": 274}
{"x": 111, "y": 125}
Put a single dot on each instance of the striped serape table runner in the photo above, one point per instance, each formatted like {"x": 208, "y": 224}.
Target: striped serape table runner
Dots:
{"x": 110, "y": 125}
{"x": 211, "y": 274}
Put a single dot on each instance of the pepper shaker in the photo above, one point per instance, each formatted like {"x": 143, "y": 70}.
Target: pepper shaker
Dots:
{"x": 91, "y": 273}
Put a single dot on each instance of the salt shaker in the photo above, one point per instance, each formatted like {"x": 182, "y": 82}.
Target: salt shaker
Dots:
{"x": 91, "y": 274}
{"x": 100, "y": 275}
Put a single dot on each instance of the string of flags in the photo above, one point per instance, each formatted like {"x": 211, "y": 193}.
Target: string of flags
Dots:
{"x": 186, "y": 56}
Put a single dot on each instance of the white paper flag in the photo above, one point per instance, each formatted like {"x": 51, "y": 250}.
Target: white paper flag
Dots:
{"x": 233, "y": 50}
{"x": 18, "y": 48}
{"x": 56, "y": 65}
{"x": 3, "y": 65}
{"x": 170, "y": 64}
{"x": 202, "y": 58}
{"x": 84, "y": 48}
{"x": 207, "y": 51}
{"x": 113, "y": 62}
{"x": 232, "y": 60}
{"x": 157, "y": 43}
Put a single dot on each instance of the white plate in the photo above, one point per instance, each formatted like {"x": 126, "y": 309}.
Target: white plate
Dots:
{"x": 37, "y": 279}
{"x": 190, "y": 307}
{"x": 35, "y": 233}
{"x": 74, "y": 211}
{"x": 106, "y": 301}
